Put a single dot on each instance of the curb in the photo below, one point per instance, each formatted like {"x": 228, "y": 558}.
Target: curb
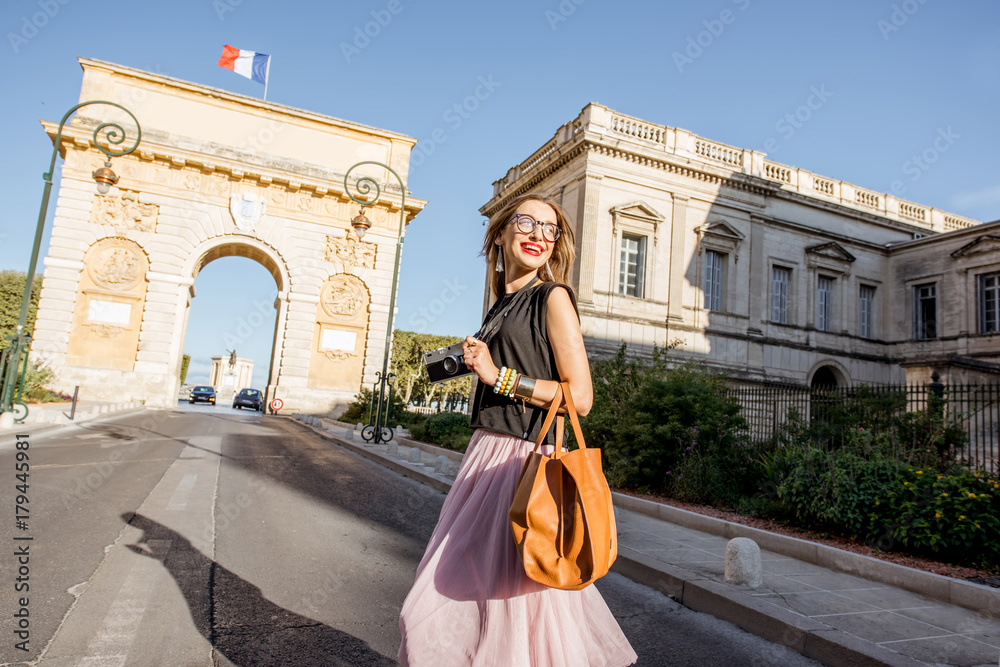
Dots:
{"x": 724, "y": 601}
{"x": 945, "y": 589}
{"x": 36, "y": 427}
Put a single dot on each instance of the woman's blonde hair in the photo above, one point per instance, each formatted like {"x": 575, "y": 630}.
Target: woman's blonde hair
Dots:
{"x": 563, "y": 254}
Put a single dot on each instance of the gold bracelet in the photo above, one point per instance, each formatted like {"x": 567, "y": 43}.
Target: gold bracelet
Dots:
{"x": 525, "y": 388}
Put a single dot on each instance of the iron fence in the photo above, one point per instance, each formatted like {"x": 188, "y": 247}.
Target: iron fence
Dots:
{"x": 973, "y": 409}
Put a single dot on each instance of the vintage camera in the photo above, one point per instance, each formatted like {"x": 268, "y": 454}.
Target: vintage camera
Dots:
{"x": 446, "y": 363}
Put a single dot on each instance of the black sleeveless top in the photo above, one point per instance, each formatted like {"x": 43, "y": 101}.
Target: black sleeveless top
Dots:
{"x": 522, "y": 343}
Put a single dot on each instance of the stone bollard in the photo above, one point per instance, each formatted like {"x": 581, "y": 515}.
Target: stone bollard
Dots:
{"x": 442, "y": 464}
{"x": 415, "y": 456}
{"x": 392, "y": 449}
{"x": 743, "y": 562}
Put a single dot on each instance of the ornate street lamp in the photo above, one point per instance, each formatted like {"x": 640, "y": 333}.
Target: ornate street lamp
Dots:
{"x": 14, "y": 360}
{"x": 377, "y": 431}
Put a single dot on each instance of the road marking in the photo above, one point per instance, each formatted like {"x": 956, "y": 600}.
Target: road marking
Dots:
{"x": 179, "y": 500}
{"x": 111, "y": 644}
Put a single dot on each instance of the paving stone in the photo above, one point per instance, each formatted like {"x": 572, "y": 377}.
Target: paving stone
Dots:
{"x": 685, "y": 556}
{"x": 953, "y": 619}
{"x": 836, "y": 581}
{"x": 818, "y": 603}
{"x": 881, "y": 626}
{"x": 955, "y": 650}
{"x": 775, "y": 583}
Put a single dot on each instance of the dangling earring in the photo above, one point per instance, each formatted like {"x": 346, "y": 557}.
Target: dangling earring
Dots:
{"x": 499, "y": 265}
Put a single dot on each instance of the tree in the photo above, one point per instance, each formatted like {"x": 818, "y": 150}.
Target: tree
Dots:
{"x": 185, "y": 362}
{"x": 11, "y": 294}
{"x": 407, "y": 362}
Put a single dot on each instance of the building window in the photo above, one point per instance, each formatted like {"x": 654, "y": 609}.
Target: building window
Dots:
{"x": 866, "y": 312}
{"x": 989, "y": 303}
{"x": 780, "y": 277}
{"x": 824, "y": 303}
{"x": 925, "y": 311}
{"x": 632, "y": 269}
{"x": 714, "y": 262}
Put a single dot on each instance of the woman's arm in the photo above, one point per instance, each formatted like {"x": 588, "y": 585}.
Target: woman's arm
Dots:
{"x": 566, "y": 339}
{"x": 571, "y": 357}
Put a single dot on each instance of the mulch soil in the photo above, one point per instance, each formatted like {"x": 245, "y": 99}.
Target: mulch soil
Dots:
{"x": 971, "y": 574}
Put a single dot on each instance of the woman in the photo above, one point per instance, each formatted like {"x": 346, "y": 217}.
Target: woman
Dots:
{"x": 471, "y": 603}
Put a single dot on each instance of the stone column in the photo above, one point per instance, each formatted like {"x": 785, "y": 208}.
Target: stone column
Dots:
{"x": 678, "y": 227}
{"x": 589, "y": 209}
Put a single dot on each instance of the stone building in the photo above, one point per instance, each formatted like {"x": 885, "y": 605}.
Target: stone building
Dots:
{"x": 216, "y": 174}
{"x": 772, "y": 273}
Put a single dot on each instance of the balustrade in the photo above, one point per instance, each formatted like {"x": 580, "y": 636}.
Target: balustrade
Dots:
{"x": 867, "y": 198}
{"x": 911, "y": 211}
{"x": 719, "y": 153}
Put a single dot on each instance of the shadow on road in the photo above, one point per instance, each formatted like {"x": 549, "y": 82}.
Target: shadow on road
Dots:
{"x": 239, "y": 622}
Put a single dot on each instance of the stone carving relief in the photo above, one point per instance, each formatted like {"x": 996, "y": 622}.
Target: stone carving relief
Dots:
{"x": 116, "y": 267}
{"x": 338, "y": 355}
{"x": 105, "y": 330}
{"x": 247, "y": 210}
{"x": 343, "y": 296}
{"x": 125, "y": 212}
{"x": 350, "y": 252}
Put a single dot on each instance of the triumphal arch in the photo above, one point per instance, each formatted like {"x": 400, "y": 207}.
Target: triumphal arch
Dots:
{"x": 216, "y": 175}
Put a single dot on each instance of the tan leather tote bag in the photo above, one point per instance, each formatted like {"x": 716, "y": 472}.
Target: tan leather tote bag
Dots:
{"x": 562, "y": 517}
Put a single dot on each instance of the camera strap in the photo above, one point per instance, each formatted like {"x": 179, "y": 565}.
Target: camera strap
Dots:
{"x": 494, "y": 319}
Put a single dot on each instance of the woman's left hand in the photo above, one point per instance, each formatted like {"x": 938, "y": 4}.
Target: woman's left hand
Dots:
{"x": 479, "y": 361}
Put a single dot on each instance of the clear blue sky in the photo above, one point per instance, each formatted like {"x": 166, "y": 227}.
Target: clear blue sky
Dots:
{"x": 893, "y": 75}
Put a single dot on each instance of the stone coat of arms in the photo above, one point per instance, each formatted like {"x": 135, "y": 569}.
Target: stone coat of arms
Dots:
{"x": 247, "y": 210}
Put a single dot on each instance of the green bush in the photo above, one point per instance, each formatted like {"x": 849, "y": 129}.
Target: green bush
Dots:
{"x": 662, "y": 430}
{"x": 451, "y": 430}
{"x": 956, "y": 517}
{"x": 836, "y": 490}
{"x": 358, "y": 411}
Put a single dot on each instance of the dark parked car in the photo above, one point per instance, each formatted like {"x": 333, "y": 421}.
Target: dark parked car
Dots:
{"x": 249, "y": 398}
{"x": 202, "y": 393}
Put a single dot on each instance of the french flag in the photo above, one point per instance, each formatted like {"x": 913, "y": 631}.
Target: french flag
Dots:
{"x": 250, "y": 64}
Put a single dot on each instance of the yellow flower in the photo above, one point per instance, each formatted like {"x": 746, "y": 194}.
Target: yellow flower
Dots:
{"x": 877, "y": 502}
{"x": 940, "y": 476}
{"x": 937, "y": 515}
{"x": 944, "y": 495}
{"x": 961, "y": 518}
{"x": 920, "y": 472}
{"x": 906, "y": 483}
{"x": 972, "y": 495}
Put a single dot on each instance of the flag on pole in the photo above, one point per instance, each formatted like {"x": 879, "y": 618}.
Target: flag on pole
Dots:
{"x": 250, "y": 64}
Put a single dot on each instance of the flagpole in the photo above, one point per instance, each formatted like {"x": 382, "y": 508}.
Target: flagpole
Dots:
{"x": 267, "y": 75}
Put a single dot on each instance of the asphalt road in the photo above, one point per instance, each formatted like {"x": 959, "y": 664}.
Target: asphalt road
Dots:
{"x": 211, "y": 536}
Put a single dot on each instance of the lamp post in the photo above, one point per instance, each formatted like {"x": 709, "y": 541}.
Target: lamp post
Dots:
{"x": 14, "y": 360}
{"x": 377, "y": 431}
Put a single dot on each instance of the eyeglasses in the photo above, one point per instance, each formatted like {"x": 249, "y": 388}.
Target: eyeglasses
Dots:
{"x": 526, "y": 224}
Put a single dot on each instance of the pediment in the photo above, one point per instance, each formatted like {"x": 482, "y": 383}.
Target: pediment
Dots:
{"x": 638, "y": 210}
{"x": 989, "y": 243}
{"x": 721, "y": 228}
{"x": 831, "y": 250}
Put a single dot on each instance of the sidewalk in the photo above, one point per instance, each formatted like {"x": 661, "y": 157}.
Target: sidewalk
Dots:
{"x": 834, "y": 606}
{"x": 47, "y": 415}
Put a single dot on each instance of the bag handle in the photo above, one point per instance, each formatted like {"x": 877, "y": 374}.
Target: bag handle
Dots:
{"x": 562, "y": 393}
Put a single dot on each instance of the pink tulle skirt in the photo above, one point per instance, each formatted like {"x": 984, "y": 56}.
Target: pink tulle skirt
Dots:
{"x": 471, "y": 603}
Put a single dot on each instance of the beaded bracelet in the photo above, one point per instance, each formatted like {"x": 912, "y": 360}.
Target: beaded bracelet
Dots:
{"x": 507, "y": 381}
{"x": 499, "y": 382}
{"x": 508, "y": 390}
